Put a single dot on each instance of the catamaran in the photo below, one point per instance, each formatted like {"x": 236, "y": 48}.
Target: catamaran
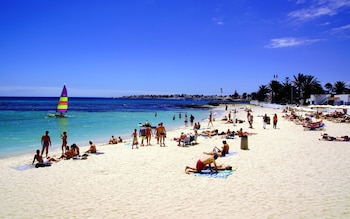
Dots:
{"x": 62, "y": 105}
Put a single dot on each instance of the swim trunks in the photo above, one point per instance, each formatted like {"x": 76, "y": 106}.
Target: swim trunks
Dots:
{"x": 46, "y": 143}
{"x": 200, "y": 166}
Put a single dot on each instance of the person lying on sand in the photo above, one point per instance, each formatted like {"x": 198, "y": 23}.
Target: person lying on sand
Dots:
{"x": 241, "y": 133}
{"x": 203, "y": 164}
{"x": 217, "y": 168}
{"x": 326, "y": 137}
{"x": 209, "y": 133}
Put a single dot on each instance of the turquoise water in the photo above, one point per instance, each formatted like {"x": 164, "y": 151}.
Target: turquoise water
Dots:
{"x": 25, "y": 120}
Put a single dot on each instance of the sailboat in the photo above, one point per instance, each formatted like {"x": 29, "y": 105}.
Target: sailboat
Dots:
{"x": 62, "y": 105}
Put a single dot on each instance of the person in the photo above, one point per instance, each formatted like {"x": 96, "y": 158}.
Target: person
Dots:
{"x": 210, "y": 119}
{"x": 162, "y": 134}
{"x": 113, "y": 140}
{"x": 251, "y": 117}
{"x": 64, "y": 141}
{"x": 275, "y": 119}
{"x": 92, "y": 148}
{"x": 134, "y": 140}
{"x": 326, "y": 137}
{"x": 148, "y": 135}
{"x": 75, "y": 149}
{"x": 234, "y": 117}
{"x": 230, "y": 134}
{"x": 182, "y": 138}
{"x": 221, "y": 152}
{"x": 195, "y": 136}
{"x": 41, "y": 161}
{"x": 240, "y": 133}
{"x": 142, "y": 134}
{"x": 264, "y": 121}
{"x": 191, "y": 119}
{"x": 209, "y": 133}
{"x": 68, "y": 154}
{"x": 203, "y": 164}
{"x": 46, "y": 143}
{"x": 186, "y": 120}
{"x": 225, "y": 149}
{"x": 120, "y": 140}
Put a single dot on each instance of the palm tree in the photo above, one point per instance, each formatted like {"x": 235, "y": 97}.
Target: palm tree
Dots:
{"x": 287, "y": 92}
{"x": 298, "y": 82}
{"x": 339, "y": 87}
{"x": 262, "y": 93}
{"x": 311, "y": 86}
{"x": 275, "y": 88}
{"x": 329, "y": 87}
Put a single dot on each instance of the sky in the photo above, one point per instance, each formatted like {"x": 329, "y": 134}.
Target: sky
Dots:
{"x": 113, "y": 48}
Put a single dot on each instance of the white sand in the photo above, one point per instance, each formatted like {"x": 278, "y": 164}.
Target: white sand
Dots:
{"x": 287, "y": 173}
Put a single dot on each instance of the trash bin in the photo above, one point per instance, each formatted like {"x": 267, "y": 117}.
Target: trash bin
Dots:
{"x": 244, "y": 143}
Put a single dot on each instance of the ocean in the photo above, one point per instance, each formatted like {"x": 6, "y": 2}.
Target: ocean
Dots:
{"x": 23, "y": 120}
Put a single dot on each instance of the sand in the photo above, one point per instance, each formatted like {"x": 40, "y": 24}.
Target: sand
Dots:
{"x": 286, "y": 173}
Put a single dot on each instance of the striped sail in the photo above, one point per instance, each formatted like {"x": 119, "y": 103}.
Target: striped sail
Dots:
{"x": 62, "y": 105}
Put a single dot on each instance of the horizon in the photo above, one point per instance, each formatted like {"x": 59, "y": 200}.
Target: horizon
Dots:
{"x": 123, "y": 48}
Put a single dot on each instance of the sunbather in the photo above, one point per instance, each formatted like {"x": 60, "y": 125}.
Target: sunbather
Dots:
{"x": 42, "y": 161}
{"x": 203, "y": 164}
{"x": 326, "y": 137}
{"x": 92, "y": 148}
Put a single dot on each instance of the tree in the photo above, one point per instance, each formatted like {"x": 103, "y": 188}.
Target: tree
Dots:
{"x": 262, "y": 93}
{"x": 339, "y": 87}
{"x": 298, "y": 82}
{"x": 275, "y": 88}
{"x": 329, "y": 87}
{"x": 311, "y": 86}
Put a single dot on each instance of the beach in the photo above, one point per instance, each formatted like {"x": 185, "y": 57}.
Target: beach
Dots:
{"x": 286, "y": 173}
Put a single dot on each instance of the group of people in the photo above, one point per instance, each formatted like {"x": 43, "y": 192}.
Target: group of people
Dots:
{"x": 67, "y": 152}
{"x": 114, "y": 140}
{"x": 145, "y": 132}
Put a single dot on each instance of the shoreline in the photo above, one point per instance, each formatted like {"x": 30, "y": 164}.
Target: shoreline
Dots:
{"x": 56, "y": 151}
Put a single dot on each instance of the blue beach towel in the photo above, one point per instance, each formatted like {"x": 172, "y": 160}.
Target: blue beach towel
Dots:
{"x": 23, "y": 167}
{"x": 230, "y": 154}
{"x": 221, "y": 174}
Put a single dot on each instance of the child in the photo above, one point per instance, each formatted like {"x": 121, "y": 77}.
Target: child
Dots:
{"x": 134, "y": 140}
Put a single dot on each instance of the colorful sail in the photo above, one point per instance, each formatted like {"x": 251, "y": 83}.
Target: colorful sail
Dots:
{"x": 62, "y": 105}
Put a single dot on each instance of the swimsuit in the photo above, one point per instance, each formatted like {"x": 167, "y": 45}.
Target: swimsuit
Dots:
{"x": 200, "y": 165}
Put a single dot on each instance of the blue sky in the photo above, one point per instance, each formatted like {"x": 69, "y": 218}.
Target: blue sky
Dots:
{"x": 126, "y": 47}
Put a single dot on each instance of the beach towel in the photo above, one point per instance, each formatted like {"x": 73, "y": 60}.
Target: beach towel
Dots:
{"x": 220, "y": 174}
{"x": 230, "y": 154}
{"x": 23, "y": 167}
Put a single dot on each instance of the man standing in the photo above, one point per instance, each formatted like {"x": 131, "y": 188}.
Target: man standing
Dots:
{"x": 46, "y": 143}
